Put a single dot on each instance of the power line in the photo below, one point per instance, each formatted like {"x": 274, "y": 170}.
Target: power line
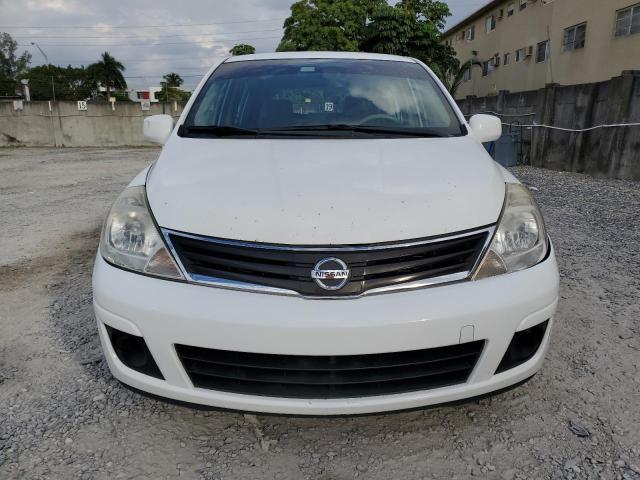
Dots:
{"x": 60, "y": 76}
{"x": 137, "y": 59}
{"x": 146, "y": 44}
{"x": 79, "y": 37}
{"x": 35, "y": 27}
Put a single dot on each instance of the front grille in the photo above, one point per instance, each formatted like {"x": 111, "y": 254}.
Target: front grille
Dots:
{"x": 342, "y": 376}
{"x": 289, "y": 267}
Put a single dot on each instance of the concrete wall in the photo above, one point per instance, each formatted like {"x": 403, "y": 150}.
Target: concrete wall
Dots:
{"x": 612, "y": 152}
{"x": 604, "y": 55}
{"x": 64, "y": 126}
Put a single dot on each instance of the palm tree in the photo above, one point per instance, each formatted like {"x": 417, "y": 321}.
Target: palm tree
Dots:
{"x": 173, "y": 80}
{"x": 108, "y": 73}
{"x": 452, "y": 76}
{"x": 171, "y": 89}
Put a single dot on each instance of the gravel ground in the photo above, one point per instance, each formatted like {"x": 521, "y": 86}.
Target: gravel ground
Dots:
{"x": 63, "y": 416}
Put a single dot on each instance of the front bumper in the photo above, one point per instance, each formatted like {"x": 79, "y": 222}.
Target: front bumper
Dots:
{"x": 166, "y": 313}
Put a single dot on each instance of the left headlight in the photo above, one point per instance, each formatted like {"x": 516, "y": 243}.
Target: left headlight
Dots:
{"x": 131, "y": 240}
{"x": 520, "y": 240}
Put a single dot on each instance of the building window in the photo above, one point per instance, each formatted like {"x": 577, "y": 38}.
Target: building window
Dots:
{"x": 521, "y": 54}
{"x": 523, "y": 4}
{"x": 507, "y": 59}
{"x": 628, "y": 21}
{"x": 574, "y": 37}
{"x": 490, "y": 23}
{"x": 466, "y": 76}
{"x": 471, "y": 34}
{"x": 511, "y": 9}
{"x": 487, "y": 67}
{"x": 542, "y": 52}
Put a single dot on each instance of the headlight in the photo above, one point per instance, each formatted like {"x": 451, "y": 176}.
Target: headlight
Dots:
{"x": 521, "y": 239}
{"x": 131, "y": 240}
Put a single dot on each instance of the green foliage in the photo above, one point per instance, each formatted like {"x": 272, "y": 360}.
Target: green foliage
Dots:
{"x": 108, "y": 73}
{"x": 410, "y": 28}
{"x": 242, "y": 49}
{"x": 451, "y": 76}
{"x": 71, "y": 83}
{"x": 390, "y": 31}
{"x": 432, "y": 11}
{"x": 173, "y": 80}
{"x": 170, "y": 94}
{"x": 171, "y": 89}
{"x": 335, "y": 25}
{"x": 11, "y": 64}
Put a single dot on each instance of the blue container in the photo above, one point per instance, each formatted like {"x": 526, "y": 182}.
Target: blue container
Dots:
{"x": 504, "y": 150}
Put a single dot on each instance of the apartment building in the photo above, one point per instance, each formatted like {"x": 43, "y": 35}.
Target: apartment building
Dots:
{"x": 524, "y": 44}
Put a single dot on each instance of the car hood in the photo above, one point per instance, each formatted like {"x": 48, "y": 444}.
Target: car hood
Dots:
{"x": 324, "y": 191}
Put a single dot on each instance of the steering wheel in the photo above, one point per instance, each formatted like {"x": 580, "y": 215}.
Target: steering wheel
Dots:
{"x": 376, "y": 116}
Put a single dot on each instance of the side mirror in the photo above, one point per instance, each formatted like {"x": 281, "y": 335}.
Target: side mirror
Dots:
{"x": 486, "y": 128}
{"x": 157, "y": 128}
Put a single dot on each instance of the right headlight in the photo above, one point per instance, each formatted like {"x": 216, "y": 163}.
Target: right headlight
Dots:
{"x": 520, "y": 240}
{"x": 131, "y": 240}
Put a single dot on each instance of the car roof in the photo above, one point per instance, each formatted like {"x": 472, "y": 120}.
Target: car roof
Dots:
{"x": 319, "y": 55}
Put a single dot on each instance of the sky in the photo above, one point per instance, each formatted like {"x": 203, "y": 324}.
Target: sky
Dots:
{"x": 152, "y": 38}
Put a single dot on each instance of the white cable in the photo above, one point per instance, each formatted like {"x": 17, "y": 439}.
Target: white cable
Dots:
{"x": 504, "y": 114}
{"x": 573, "y": 129}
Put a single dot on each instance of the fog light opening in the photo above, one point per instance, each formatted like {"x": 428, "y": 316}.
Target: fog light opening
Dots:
{"x": 133, "y": 352}
{"x": 523, "y": 346}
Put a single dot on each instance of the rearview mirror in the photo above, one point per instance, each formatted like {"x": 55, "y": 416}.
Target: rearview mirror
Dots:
{"x": 485, "y": 128}
{"x": 157, "y": 128}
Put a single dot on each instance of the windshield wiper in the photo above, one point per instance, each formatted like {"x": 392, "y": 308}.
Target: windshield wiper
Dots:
{"x": 412, "y": 132}
{"x": 230, "y": 130}
{"x": 220, "y": 130}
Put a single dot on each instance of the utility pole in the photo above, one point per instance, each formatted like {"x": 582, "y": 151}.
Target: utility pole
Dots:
{"x": 25, "y": 88}
{"x": 46, "y": 59}
{"x": 164, "y": 85}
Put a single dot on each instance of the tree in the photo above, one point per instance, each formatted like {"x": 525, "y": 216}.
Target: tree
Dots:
{"x": 432, "y": 11}
{"x": 411, "y": 28}
{"x": 11, "y": 64}
{"x": 171, "y": 89}
{"x": 242, "y": 49}
{"x": 71, "y": 83}
{"x": 451, "y": 76}
{"x": 170, "y": 94}
{"x": 173, "y": 80}
{"x": 108, "y": 73}
{"x": 336, "y": 25}
{"x": 390, "y": 31}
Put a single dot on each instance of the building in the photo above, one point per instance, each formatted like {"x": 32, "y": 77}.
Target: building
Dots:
{"x": 146, "y": 95}
{"x": 524, "y": 44}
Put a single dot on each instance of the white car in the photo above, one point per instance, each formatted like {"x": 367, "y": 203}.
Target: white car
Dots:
{"x": 324, "y": 234}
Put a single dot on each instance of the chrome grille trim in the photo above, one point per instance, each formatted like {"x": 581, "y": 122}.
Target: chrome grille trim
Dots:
{"x": 256, "y": 288}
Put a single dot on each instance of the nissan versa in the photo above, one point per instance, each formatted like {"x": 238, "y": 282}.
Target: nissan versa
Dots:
{"x": 323, "y": 233}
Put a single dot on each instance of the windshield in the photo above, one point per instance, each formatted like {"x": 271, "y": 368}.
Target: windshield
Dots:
{"x": 321, "y": 97}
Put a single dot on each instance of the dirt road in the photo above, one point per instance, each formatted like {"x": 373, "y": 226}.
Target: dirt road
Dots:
{"x": 63, "y": 416}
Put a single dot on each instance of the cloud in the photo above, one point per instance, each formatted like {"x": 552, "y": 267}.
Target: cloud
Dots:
{"x": 460, "y": 9}
{"x": 60, "y": 5}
